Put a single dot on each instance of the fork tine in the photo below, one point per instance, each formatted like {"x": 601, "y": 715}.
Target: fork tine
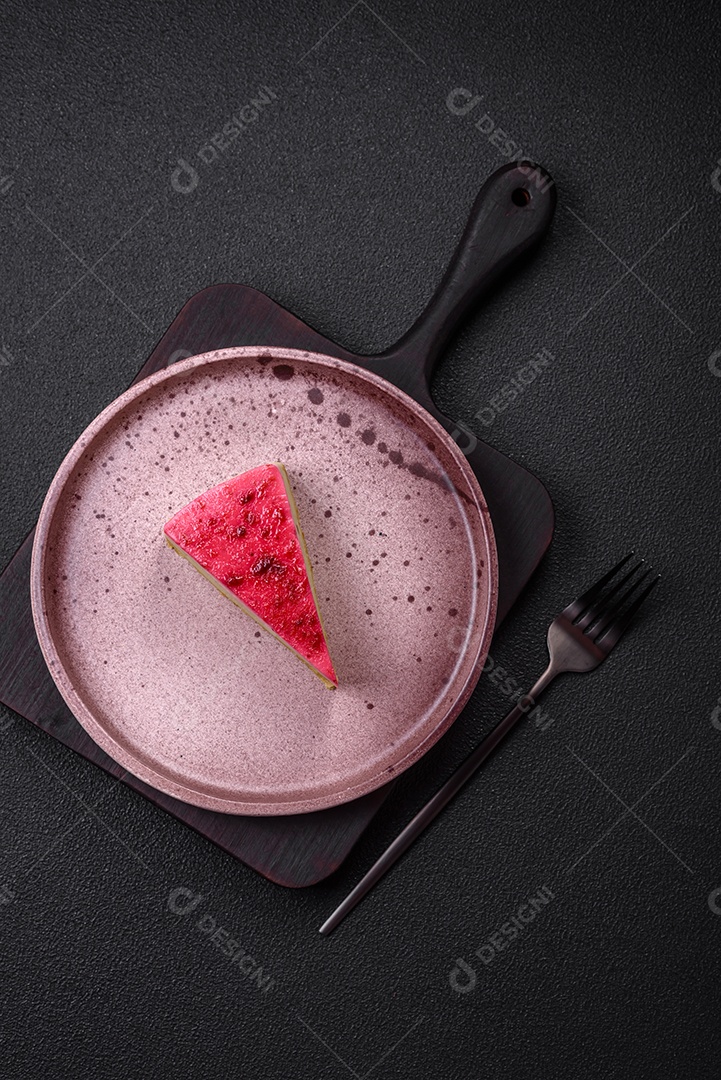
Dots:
{"x": 612, "y": 634}
{"x": 577, "y": 607}
{"x": 596, "y": 611}
{"x": 612, "y": 612}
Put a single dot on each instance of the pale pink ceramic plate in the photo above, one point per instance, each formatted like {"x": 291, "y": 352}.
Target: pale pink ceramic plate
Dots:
{"x": 181, "y": 688}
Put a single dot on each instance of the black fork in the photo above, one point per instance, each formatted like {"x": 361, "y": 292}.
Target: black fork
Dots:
{"x": 579, "y": 639}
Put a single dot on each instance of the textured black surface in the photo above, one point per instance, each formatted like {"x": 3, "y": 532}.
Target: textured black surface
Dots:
{"x": 340, "y": 201}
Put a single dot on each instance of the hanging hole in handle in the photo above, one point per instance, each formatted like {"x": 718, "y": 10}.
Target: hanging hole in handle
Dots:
{"x": 520, "y": 196}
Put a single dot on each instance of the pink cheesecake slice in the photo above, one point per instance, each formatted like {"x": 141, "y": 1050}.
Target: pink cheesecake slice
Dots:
{"x": 245, "y": 537}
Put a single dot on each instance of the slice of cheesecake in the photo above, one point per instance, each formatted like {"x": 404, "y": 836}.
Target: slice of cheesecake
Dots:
{"x": 245, "y": 537}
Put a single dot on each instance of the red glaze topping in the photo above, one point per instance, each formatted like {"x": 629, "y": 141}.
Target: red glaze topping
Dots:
{"x": 242, "y": 532}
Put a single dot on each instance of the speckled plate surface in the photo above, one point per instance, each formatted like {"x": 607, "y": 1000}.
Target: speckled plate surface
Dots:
{"x": 175, "y": 683}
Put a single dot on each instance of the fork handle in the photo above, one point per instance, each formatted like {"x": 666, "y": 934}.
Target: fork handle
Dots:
{"x": 443, "y": 796}
{"x": 484, "y": 750}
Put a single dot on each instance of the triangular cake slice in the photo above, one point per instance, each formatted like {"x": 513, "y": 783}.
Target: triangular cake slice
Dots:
{"x": 245, "y": 537}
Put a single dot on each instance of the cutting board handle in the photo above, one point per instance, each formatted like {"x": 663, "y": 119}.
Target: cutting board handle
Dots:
{"x": 511, "y": 213}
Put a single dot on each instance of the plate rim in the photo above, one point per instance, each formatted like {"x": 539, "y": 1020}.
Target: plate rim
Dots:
{"x": 85, "y": 716}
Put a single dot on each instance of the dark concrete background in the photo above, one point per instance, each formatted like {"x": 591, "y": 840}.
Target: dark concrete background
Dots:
{"x": 343, "y": 201}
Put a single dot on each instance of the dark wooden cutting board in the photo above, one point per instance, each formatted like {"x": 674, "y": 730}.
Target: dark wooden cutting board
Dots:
{"x": 303, "y": 849}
